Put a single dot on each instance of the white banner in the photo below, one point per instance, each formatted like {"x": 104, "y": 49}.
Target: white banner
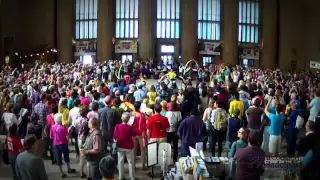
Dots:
{"x": 249, "y": 53}
{"x": 126, "y": 46}
{"x": 86, "y": 48}
{"x": 209, "y": 48}
{"x": 314, "y": 65}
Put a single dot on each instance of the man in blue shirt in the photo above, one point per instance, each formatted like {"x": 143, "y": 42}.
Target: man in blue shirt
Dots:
{"x": 140, "y": 94}
{"x": 292, "y": 114}
{"x": 276, "y": 122}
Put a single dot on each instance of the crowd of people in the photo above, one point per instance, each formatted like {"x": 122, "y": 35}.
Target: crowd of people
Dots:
{"x": 109, "y": 113}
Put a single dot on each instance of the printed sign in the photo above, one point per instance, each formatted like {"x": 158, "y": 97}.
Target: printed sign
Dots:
{"x": 250, "y": 53}
{"x": 126, "y": 46}
{"x": 209, "y": 48}
{"x": 314, "y": 65}
{"x": 86, "y": 48}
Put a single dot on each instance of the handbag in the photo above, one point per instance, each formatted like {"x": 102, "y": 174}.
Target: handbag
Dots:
{"x": 114, "y": 145}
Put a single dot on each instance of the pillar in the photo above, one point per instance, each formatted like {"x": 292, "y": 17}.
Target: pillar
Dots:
{"x": 106, "y": 28}
{"x": 146, "y": 29}
{"x": 65, "y": 30}
{"x": 230, "y": 31}
{"x": 269, "y": 34}
{"x": 189, "y": 29}
{"x": 1, "y": 35}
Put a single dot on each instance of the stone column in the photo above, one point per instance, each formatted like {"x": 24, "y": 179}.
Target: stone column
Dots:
{"x": 269, "y": 34}
{"x": 146, "y": 29}
{"x": 1, "y": 35}
{"x": 189, "y": 29}
{"x": 230, "y": 34}
{"x": 65, "y": 30}
{"x": 106, "y": 28}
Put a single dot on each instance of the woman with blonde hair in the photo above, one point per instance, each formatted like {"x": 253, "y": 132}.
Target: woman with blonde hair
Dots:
{"x": 164, "y": 106}
{"x": 180, "y": 96}
{"x": 63, "y": 109}
{"x": 9, "y": 117}
{"x": 206, "y": 119}
{"x": 152, "y": 95}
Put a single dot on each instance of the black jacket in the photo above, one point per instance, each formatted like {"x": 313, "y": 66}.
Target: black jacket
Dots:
{"x": 306, "y": 143}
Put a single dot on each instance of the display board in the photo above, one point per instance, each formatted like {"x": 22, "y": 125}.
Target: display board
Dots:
{"x": 152, "y": 154}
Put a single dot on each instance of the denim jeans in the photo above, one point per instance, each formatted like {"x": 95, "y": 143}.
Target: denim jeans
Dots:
{"x": 214, "y": 137}
{"x": 12, "y": 160}
{"x": 95, "y": 172}
{"x": 291, "y": 143}
{"x": 60, "y": 150}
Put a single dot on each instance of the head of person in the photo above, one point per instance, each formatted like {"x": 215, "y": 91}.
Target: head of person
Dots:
{"x": 28, "y": 142}
{"x": 236, "y": 95}
{"x": 58, "y": 118}
{"x": 310, "y": 126}
{"x": 257, "y": 102}
{"x": 96, "y": 96}
{"x": 93, "y": 123}
{"x": 317, "y": 94}
{"x": 157, "y": 108}
{"x": 254, "y": 138}
{"x": 9, "y": 107}
{"x": 107, "y": 167}
{"x": 13, "y": 130}
{"x": 74, "y": 94}
{"x": 152, "y": 88}
{"x": 108, "y": 100}
{"x": 137, "y": 105}
{"x": 43, "y": 97}
{"x": 76, "y": 103}
{"x": 64, "y": 103}
{"x": 125, "y": 117}
{"x": 218, "y": 104}
{"x": 95, "y": 106}
{"x": 117, "y": 101}
{"x": 164, "y": 105}
{"x": 243, "y": 134}
{"x": 83, "y": 111}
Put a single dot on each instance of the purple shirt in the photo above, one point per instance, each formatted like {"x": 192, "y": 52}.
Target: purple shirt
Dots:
{"x": 35, "y": 98}
{"x": 59, "y": 134}
{"x": 191, "y": 130}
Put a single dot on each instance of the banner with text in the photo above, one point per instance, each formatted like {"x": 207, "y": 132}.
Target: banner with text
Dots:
{"x": 314, "y": 65}
{"x": 126, "y": 46}
{"x": 85, "y": 48}
{"x": 250, "y": 53}
{"x": 210, "y": 48}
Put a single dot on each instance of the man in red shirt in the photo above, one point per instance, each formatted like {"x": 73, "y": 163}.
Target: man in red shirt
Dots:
{"x": 157, "y": 126}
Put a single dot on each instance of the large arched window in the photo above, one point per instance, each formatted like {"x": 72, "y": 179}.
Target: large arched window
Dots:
{"x": 168, "y": 19}
{"x": 249, "y": 17}
{"x": 86, "y": 19}
{"x": 209, "y": 19}
{"x": 127, "y": 21}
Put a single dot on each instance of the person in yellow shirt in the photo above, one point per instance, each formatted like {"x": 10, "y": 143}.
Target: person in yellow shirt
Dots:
{"x": 152, "y": 95}
{"x": 236, "y": 104}
{"x": 171, "y": 75}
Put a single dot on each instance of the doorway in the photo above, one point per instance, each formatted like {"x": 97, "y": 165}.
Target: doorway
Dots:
{"x": 126, "y": 58}
{"x": 167, "y": 54}
{"x": 208, "y": 60}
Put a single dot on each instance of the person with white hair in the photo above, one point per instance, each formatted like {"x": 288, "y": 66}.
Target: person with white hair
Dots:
{"x": 123, "y": 135}
{"x": 59, "y": 135}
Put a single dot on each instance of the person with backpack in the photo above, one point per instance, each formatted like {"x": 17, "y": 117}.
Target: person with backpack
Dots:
{"x": 219, "y": 120}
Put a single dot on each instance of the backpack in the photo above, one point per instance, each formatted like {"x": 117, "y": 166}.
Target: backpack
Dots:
{"x": 209, "y": 125}
{"x": 221, "y": 120}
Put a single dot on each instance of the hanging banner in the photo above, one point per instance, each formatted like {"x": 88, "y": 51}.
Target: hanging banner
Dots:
{"x": 249, "y": 53}
{"x": 126, "y": 46}
{"x": 314, "y": 65}
{"x": 210, "y": 48}
{"x": 85, "y": 48}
